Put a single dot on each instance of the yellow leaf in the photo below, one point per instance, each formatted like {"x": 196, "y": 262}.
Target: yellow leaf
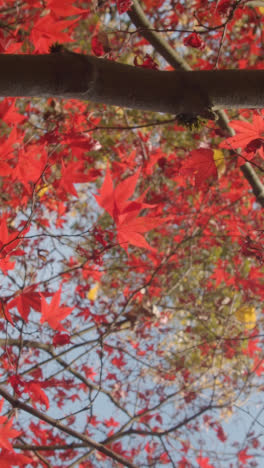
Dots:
{"x": 93, "y": 292}
{"x": 219, "y": 160}
{"x": 119, "y": 111}
{"x": 261, "y": 9}
{"x": 247, "y": 315}
{"x": 42, "y": 191}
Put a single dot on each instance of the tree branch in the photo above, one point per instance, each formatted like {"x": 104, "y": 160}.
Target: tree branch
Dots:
{"x": 66, "y": 429}
{"x": 75, "y": 76}
{"x": 140, "y": 20}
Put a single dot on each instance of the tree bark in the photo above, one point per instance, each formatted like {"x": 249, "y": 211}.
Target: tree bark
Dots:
{"x": 76, "y": 76}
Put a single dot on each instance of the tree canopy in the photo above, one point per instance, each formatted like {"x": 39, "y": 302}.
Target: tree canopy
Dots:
{"x": 131, "y": 233}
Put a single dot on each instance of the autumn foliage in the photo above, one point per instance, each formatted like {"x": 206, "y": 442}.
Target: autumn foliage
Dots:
{"x": 131, "y": 250}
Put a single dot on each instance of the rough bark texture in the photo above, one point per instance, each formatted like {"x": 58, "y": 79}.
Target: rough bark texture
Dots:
{"x": 77, "y": 76}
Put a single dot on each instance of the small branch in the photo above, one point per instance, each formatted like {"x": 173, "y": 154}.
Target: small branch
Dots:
{"x": 66, "y": 429}
{"x": 29, "y": 447}
{"x": 139, "y": 19}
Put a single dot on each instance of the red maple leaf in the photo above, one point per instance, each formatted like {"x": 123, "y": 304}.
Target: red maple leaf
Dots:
{"x": 249, "y": 136}
{"x": 62, "y": 9}
{"x": 203, "y": 462}
{"x": 33, "y": 388}
{"x": 125, "y": 213}
{"x": 220, "y": 433}
{"x": 9, "y": 459}
{"x": 9, "y": 113}
{"x": 243, "y": 456}
{"x": 6, "y": 265}
{"x": 89, "y": 372}
{"x": 17, "y": 383}
{"x": 61, "y": 339}
{"x": 7, "y": 151}
{"x": 252, "y": 347}
{"x": 183, "y": 463}
{"x": 48, "y": 30}
{"x": 97, "y": 46}
{"x": 111, "y": 422}
{"x": 201, "y": 164}
{"x": 36, "y": 393}
{"x": 26, "y": 300}
{"x": 123, "y": 5}
{"x": 258, "y": 366}
{"x": 194, "y": 40}
{"x": 148, "y": 62}
{"x": 113, "y": 199}
{"x": 129, "y": 228}
{"x": 53, "y": 313}
{"x": 30, "y": 164}
{"x": 8, "y": 241}
{"x": 6, "y": 431}
{"x": 118, "y": 361}
{"x": 73, "y": 173}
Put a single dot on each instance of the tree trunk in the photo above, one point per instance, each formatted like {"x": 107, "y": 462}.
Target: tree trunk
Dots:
{"x": 70, "y": 75}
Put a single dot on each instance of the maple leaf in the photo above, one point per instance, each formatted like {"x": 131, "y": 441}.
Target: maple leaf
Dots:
{"x": 13, "y": 459}
{"x": 113, "y": 200}
{"x": 9, "y": 241}
{"x": 164, "y": 458}
{"x": 221, "y": 434}
{"x": 7, "y": 432}
{"x": 201, "y": 164}
{"x": 118, "y": 361}
{"x": 183, "y": 463}
{"x": 243, "y": 456}
{"x": 194, "y": 40}
{"x": 123, "y": 5}
{"x": 72, "y": 174}
{"x": 53, "y": 313}
{"x": 203, "y": 462}
{"x": 47, "y": 30}
{"x": 30, "y": 164}
{"x": 124, "y": 213}
{"x": 61, "y": 339}
{"x": 8, "y": 113}
{"x": 252, "y": 347}
{"x": 26, "y": 300}
{"x": 16, "y": 383}
{"x": 36, "y": 393}
{"x": 62, "y": 9}
{"x": 7, "y": 152}
{"x": 97, "y": 46}
{"x": 89, "y": 372}
{"x": 93, "y": 420}
{"x": 248, "y": 136}
{"x": 111, "y": 422}
{"x": 147, "y": 63}
{"x": 6, "y": 265}
{"x": 128, "y": 231}
{"x": 258, "y": 366}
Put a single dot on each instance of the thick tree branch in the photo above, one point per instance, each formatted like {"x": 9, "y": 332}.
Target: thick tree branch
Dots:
{"x": 99, "y": 80}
